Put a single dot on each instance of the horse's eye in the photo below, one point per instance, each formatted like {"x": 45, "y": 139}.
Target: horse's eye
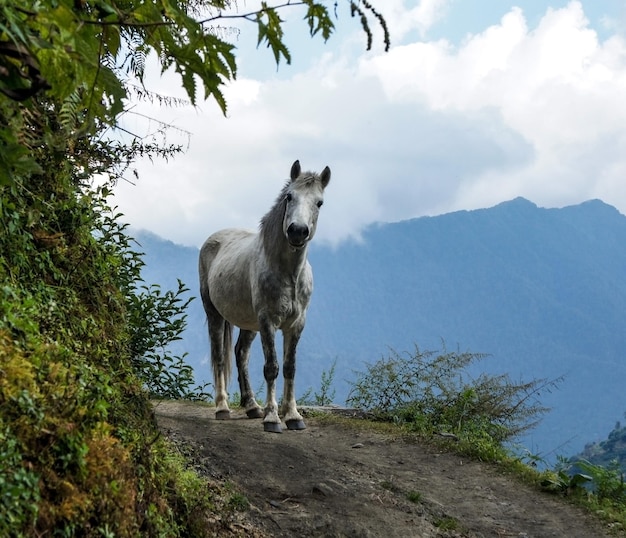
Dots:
{"x": 320, "y": 203}
{"x": 289, "y": 197}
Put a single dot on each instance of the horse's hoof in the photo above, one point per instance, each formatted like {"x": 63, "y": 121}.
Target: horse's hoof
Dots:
{"x": 255, "y": 412}
{"x": 272, "y": 427}
{"x": 295, "y": 424}
{"x": 224, "y": 414}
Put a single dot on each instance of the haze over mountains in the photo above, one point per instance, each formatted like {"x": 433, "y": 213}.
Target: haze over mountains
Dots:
{"x": 542, "y": 291}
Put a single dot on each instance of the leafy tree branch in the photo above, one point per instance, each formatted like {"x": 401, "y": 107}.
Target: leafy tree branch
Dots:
{"x": 86, "y": 57}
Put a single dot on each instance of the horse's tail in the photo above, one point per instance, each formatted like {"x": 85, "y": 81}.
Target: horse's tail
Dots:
{"x": 225, "y": 367}
{"x": 227, "y": 350}
{"x": 224, "y": 364}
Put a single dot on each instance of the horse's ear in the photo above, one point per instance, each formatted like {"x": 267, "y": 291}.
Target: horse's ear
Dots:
{"x": 295, "y": 170}
{"x": 325, "y": 176}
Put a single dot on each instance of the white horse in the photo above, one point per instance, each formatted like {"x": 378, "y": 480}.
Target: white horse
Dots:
{"x": 262, "y": 282}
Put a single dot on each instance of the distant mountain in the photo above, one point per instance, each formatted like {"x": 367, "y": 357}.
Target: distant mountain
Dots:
{"x": 610, "y": 450}
{"x": 543, "y": 291}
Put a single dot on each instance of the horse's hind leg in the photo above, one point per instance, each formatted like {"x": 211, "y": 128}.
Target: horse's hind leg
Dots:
{"x": 242, "y": 354}
{"x": 219, "y": 336}
{"x": 220, "y": 332}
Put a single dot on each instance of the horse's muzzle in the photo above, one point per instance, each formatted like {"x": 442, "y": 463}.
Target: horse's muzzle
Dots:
{"x": 297, "y": 235}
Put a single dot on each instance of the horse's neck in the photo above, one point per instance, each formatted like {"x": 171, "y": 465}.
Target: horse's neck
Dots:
{"x": 283, "y": 258}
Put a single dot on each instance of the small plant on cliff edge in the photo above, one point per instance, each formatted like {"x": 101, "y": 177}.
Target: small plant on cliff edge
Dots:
{"x": 607, "y": 482}
{"x": 432, "y": 392}
{"x": 563, "y": 479}
{"x": 326, "y": 394}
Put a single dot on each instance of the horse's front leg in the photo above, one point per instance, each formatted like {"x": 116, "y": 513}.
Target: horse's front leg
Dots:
{"x": 292, "y": 418}
{"x": 271, "y": 420}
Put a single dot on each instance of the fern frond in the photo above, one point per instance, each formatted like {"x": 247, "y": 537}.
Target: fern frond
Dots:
{"x": 69, "y": 111}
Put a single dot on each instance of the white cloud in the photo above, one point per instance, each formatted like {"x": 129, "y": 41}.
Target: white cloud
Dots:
{"x": 403, "y": 20}
{"x": 428, "y": 127}
{"x": 556, "y": 85}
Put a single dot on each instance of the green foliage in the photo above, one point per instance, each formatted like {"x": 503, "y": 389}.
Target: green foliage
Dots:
{"x": 19, "y": 496}
{"x": 562, "y": 480}
{"x": 612, "y": 449}
{"x": 75, "y": 419}
{"x": 318, "y": 19}
{"x": 326, "y": 393}
{"x": 432, "y": 393}
{"x": 271, "y": 32}
{"x": 414, "y": 496}
{"x": 157, "y": 319}
{"x": 447, "y": 523}
{"x": 604, "y": 463}
{"x": 607, "y": 481}
{"x": 598, "y": 488}
{"x": 238, "y": 502}
{"x": 83, "y": 342}
{"x": 89, "y": 57}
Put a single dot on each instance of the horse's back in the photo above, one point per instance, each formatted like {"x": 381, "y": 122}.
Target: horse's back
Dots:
{"x": 224, "y": 245}
{"x": 225, "y": 265}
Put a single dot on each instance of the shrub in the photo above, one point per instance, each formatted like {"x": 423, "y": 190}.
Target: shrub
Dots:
{"x": 326, "y": 393}
{"x": 432, "y": 392}
{"x": 607, "y": 482}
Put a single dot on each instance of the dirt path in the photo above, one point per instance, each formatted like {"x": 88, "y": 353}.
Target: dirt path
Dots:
{"x": 334, "y": 481}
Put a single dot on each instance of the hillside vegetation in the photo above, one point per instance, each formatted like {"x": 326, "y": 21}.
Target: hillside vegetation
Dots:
{"x": 610, "y": 452}
{"x": 79, "y": 450}
{"x": 81, "y": 338}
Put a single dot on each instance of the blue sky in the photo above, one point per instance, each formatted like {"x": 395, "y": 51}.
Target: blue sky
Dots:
{"x": 467, "y": 17}
{"x": 476, "y": 103}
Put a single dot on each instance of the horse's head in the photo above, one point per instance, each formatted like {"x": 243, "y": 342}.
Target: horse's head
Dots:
{"x": 303, "y": 197}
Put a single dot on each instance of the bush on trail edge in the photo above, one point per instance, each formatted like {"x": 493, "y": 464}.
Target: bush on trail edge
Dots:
{"x": 433, "y": 392}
